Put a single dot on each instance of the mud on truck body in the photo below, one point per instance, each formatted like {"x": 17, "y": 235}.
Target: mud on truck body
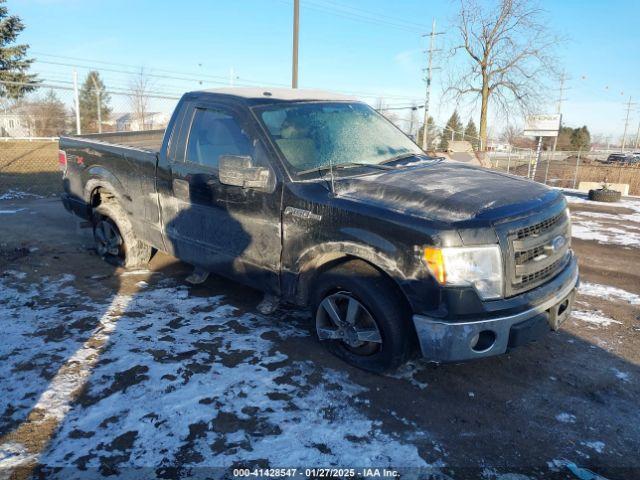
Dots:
{"x": 319, "y": 201}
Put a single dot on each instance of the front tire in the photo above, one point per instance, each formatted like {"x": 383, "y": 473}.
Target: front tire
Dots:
{"x": 362, "y": 318}
{"x": 114, "y": 238}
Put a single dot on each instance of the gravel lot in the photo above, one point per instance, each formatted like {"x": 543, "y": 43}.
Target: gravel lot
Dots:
{"x": 107, "y": 372}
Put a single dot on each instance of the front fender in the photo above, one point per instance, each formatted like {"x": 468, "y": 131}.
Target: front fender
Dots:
{"x": 316, "y": 259}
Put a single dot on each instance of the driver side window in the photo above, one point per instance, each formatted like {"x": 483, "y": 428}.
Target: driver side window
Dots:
{"x": 214, "y": 133}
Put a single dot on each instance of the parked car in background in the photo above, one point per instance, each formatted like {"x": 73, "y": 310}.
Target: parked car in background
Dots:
{"x": 624, "y": 158}
{"x": 318, "y": 200}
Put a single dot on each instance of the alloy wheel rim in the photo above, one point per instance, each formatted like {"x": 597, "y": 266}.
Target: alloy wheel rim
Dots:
{"x": 342, "y": 317}
{"x": 108, "y": 240}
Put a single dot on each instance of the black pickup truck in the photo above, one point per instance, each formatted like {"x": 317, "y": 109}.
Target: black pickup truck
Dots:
{"x": 318, "y": 200}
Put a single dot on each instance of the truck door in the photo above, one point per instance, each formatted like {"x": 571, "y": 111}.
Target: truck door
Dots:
{"x": 230, "y": 230}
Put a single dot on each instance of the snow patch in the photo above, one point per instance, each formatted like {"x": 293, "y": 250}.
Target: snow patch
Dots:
{"x": 597, "y": 445}
{"x": 608, "y": 292}
{"x": 13, "y": 455}
{"x": 597, "y": 226}
{"x": 182, "y": 373}
{"x": 566, "y": 418}
{"x": 620, "y": 375}
{"x": 9, "y": 212}
{"x": 594, "y": 318}
{"x": 17, "y": 195}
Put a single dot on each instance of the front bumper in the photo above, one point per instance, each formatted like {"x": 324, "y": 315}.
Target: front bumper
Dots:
{"x": 443, "y": 341}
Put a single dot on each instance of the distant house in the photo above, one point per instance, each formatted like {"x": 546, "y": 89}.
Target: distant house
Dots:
{"x": 130, "y": 122}
{"x": 14, "y": 124}
{"x": 498, "y": 147}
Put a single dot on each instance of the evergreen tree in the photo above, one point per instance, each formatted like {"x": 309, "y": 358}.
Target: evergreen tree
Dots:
{"x": 471, "y": 134}
{"x": 580, "y": 139}
{"x": 570, "y": 139}
{"x": 432, "y": 135}
{"x": 14, "y": 64}
{"x": 453, "y": 129}
{"x": 88, "y": 96}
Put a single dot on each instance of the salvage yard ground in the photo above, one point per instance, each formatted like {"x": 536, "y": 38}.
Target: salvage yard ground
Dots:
{"x": 104, "y": 371}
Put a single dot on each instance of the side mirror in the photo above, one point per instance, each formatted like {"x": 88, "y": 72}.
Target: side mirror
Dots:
{"x": 240, "y": 171}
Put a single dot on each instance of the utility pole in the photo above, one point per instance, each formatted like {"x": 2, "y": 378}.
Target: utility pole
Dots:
{"x": 232, "y": 77}
{"x": 76, "y": 99}
{"x": 637, "y": 144}
{"x": 626, "y": 123}
{"x": 430, "y": 68}
{"x": 561, "y": 98}
{"x": 98, "y": 102}
{"x": 296, "y": 32}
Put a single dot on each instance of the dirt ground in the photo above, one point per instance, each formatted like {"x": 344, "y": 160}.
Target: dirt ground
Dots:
{"x": 106, "y": 372}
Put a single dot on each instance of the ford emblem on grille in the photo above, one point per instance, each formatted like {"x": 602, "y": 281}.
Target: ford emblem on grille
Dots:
{"x": 557, "y": 243}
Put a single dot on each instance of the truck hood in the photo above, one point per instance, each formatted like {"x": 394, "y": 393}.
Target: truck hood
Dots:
{"x": 448, "y": 192}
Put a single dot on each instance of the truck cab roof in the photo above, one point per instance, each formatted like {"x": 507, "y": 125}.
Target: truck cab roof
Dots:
{"x": 262, "y": 95}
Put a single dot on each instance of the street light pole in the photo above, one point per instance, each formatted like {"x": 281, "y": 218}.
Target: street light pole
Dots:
{"x": 296, "y": 32}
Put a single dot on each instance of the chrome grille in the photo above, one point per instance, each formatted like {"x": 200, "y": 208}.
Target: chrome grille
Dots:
{"x": 542, "y": 274}
{"x": 537, "y": 252}
{"x": 540, "y": 227}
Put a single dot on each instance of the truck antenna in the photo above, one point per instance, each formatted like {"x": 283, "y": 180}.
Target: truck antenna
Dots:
{"x": 333, "y": 187}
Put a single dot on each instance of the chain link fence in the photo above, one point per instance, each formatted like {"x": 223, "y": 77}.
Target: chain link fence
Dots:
{"x": 568, "y": 169}
{"x": 30, "y": 127}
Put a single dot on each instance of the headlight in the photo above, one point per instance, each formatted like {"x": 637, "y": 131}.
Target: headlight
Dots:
{"x": 480, "y": 267}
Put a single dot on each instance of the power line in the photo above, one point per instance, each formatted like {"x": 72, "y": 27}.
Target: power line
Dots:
{"x": 373, "y": 19}
{"x": 244, "y": 82}
{"x": 370, "y": 14}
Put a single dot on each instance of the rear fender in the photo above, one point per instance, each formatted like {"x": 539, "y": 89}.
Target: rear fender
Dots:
{"x": 100, "y": 177}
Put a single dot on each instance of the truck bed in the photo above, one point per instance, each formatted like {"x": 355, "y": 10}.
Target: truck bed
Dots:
{"x": 150, "y": 140}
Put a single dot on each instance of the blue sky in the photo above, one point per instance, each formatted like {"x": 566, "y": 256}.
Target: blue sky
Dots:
{"x": 342, "y": 47}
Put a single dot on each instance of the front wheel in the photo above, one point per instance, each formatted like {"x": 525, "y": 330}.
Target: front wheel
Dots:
{"x": 362, "y": 318}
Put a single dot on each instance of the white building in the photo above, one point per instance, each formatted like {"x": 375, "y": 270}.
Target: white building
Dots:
{"x": 152, "y": 121}
{"x": 13, "y": 124}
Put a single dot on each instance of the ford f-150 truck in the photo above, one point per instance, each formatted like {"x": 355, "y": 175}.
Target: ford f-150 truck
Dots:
{"x": 318, "y": 200}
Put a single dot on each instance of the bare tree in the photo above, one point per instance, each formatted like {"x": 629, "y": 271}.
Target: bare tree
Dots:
{"x": 506, "y": 51}
{"x": 512, "y": 134}
{"x": 47, "y": 116}
{"x": 139, "y": 99}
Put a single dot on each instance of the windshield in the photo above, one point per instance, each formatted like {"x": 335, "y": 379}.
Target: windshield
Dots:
{"x": 313, "y": 136}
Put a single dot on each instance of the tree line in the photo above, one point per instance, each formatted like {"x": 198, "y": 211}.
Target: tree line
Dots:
{"x": 46, "y": 114}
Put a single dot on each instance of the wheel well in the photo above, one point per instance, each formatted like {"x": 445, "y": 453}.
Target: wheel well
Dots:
{"x": 331, "y": 260}
{"x": 99, "y": 195}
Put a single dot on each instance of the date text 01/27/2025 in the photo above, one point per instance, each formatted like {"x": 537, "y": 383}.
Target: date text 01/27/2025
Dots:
{"x": 315, "y": 472}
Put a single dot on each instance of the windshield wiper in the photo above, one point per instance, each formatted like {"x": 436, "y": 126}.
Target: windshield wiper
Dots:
{"x": 402, "y": 156}
{"x": 342, "y": 166}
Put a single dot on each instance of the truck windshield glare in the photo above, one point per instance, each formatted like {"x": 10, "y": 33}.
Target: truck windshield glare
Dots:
{"x": 316, "y": 135}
